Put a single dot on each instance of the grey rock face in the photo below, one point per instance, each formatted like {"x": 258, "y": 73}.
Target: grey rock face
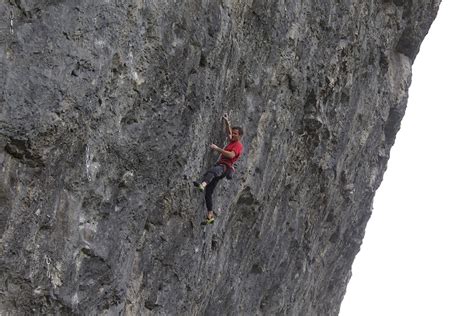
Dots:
{"x": 107, "y": 112}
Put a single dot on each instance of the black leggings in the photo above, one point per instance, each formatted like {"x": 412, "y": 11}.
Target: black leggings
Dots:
{"x": 212, "y": 177}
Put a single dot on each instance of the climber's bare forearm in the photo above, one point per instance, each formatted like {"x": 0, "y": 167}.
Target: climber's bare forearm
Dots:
{"x": 224, "y": 153}
{"x": 227, "y": 154}
{"x": 228, "y": 129}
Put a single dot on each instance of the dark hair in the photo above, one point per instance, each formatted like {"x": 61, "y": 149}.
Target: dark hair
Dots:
{"x": 241, "y": 131}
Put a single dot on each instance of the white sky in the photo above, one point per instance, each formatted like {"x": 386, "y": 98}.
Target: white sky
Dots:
{"x": 418, "y": 252}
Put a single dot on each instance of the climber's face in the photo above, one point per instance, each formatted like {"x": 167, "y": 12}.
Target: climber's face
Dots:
{"x": 235, "y": 135}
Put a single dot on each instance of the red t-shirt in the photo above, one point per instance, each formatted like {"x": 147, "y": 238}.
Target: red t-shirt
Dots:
{"x": 237, "y": 148}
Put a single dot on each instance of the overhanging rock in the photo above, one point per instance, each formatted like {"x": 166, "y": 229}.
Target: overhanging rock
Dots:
{"x": 107, "y": 112}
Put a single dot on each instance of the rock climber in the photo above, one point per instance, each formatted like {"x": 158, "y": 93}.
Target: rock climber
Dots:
{"x": 224, "y": 166}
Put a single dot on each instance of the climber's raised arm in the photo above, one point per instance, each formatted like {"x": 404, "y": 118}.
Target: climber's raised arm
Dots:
{"x": 227, "y": 128}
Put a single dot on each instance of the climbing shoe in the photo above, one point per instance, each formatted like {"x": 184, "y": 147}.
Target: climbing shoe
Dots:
{"x": 208, "y": 221}
{"x": 199, "y": 186}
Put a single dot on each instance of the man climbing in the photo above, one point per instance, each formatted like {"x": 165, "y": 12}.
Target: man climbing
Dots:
{"x": 224, "y": 166}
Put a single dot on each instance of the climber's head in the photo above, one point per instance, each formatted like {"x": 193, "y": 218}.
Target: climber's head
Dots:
{"x": 237, "y": 133}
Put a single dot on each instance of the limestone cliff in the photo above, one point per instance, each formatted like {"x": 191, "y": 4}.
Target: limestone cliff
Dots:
{"x": 108, "y": 108}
